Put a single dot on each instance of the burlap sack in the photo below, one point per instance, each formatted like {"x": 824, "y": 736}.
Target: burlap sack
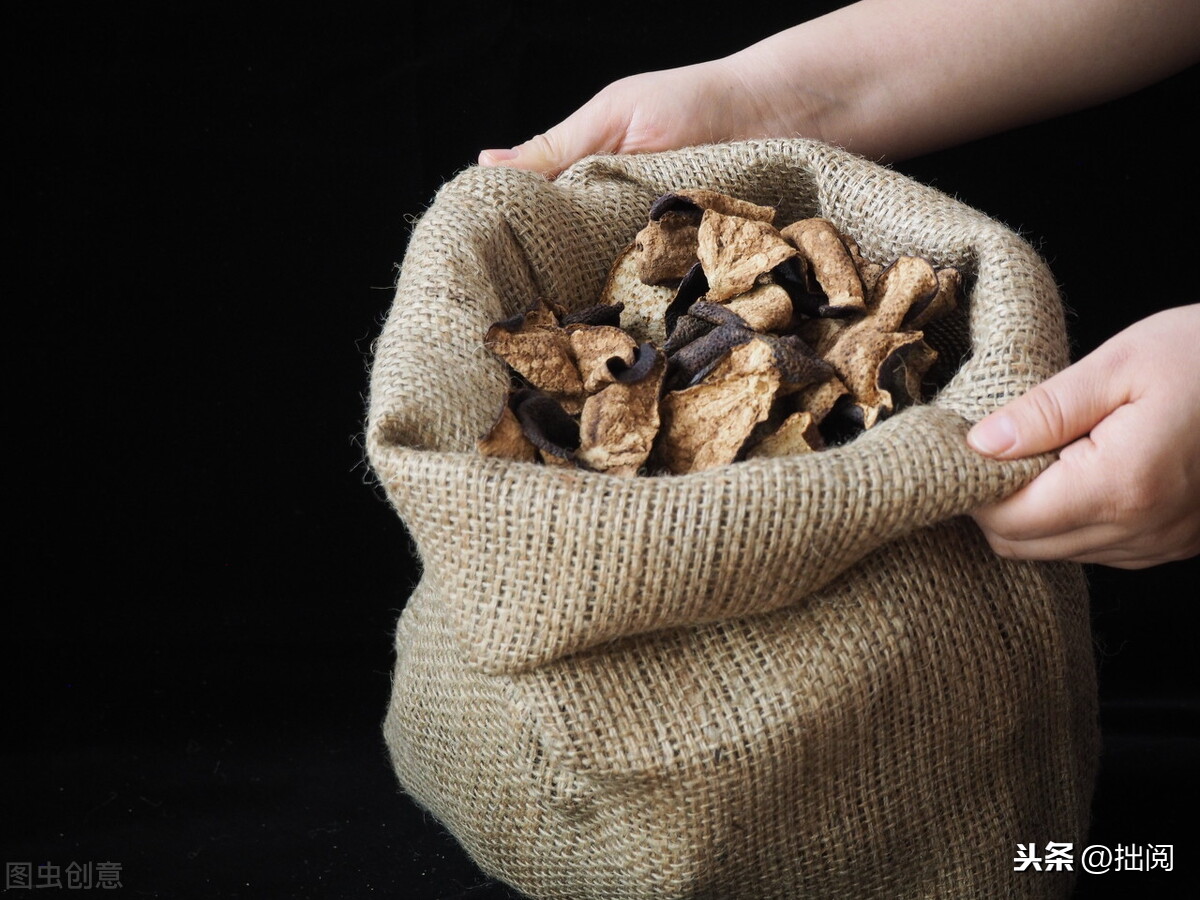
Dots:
{"x": 800, "y": 677}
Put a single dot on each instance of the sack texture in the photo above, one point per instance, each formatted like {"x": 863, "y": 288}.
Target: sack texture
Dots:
{"x": 782, "y": 678}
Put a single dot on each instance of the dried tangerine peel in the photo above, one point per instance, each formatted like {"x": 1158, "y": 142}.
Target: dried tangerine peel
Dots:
{"x": 593, "y": 346}
{"x": 822, "y": 334}
{"x": 944, "y": 301}
{"x": 667, "y": 245}
{"x": 694, "y": 202}
{"x": 795, "y": 435}
{"x": 535, "y": 346}
{"x": 666, "y": 248}
{"x": 903, "y": 373}
{"x": 597, "y": 314}
{"x": 735, "y": 251}
{"x": 706, "y": 425}
{"x": 822, "y": 247}
{"x": 506, "y": 439}
{"x": 619, "y": 423}
{"x": 910, "y": 283}
{"x": 644, "y": 305}
{"x": 693, "y": 362}
{"x": 798, "y": 366}
{"x": 547, "y": 424}
{"x": 766, "y": 336}
{"x": 765, "y": 307}
{"x": 862, "y": 352}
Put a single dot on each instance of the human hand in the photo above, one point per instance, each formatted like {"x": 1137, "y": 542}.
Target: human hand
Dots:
{"x": 1125, "y": 489}
{"x": 885, "y": 80}
{"x": 708, "y": 102}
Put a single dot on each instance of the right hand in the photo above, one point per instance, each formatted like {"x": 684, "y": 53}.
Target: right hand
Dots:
{"x": 698, "y": 104}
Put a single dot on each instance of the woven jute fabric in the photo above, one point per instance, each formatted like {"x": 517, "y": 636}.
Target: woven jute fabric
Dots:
{"x": 782, "y": 678}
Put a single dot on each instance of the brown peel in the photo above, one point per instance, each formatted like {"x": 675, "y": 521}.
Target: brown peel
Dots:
{"x": 694, "y": 202}
{"x": 861, "y": 361}
{"x": 868, "y": 271}
{"x": 535, "y": 347}
{"x": 596, "y": 314}
{"x": 821, "y": 245}
{"x": 881, "y": 366}
{"x": 507, "y": 440}
{"x": 618, "y": 424}
{"x": 794, "y": 436}
{"x": 547, "y": 425}
{"x": 644, "y": 305}
{"x": 666, "y": 249}
{"x": 773, "y": 343}
{"x": 909, "y": 283}
{"x": 943, "y": 302}
{"x": 593, "y": 346}
{"x": 706, "y": 425}
{"x": 693, "y": 362}
{"x": 765, "y": 307}
{"x": 798, "y": 366}
{"x": 735, "y": 252}
{"x": 903, "y": 372}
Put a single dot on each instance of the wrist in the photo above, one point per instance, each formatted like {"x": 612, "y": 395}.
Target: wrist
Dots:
{"x": 799, "y": 85}
{"x": 775, "y": 99}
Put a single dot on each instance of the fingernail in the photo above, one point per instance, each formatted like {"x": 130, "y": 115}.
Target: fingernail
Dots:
{"x": 993, "y": 436}
{"x": 491, "y": 157}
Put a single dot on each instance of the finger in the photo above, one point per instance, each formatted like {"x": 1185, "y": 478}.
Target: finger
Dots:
{"x": 547, "y": 153}
{"x": 1056, "y": 517}
{"x": 1120, "y": 558}
{"x": 1086, "y": 541}
{"x": 1100, "y": 545}
{"x": 497, "y": 156}
{"x": 586, "y": 131}
{"x": 1065, "y": 497}
{"x": 1055, "y": 412}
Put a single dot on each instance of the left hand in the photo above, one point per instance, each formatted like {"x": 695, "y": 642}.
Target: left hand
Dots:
{"x": 1125, "y": 489}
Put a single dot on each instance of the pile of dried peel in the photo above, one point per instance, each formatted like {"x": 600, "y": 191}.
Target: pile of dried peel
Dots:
{"x": 718, "y": 337}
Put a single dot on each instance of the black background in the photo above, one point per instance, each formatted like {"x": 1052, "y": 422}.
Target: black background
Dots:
{"x": 209, "y": 208}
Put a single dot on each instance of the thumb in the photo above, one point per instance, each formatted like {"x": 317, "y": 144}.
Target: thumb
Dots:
{"x": 547, "y": 153}
{"x": 586, "y": 131}
{"x": 1052, "y": 414}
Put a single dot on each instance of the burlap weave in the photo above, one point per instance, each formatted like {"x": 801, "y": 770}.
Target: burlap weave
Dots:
{"x": 783, "y": 678}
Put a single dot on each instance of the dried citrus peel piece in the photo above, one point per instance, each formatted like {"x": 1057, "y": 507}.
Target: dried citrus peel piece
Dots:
{"x": 734, "y": 252}
{"x": 706, "y": 425}
{"x": 506, "y": 439}
{"x": 593, "y": 346}
{"x": 535, "y": 346}
{"x": 618, "y": 424}
{"x": 643, "y": 306}
{"x": 821, "y": 246}
{"x": 795, "y": 435}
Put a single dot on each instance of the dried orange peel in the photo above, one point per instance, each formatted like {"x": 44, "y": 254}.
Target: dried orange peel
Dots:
{"x": 719, "y": 337}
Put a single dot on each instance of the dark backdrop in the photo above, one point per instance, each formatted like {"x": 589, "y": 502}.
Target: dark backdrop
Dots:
{"x": 209, "y": 208}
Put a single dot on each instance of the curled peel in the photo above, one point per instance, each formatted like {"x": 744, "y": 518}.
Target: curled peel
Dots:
{"x": 618, "y": 424}
{"x": 821, "y": 246}
{"x": 717, "y": 338}
{"x": 734, "y": 252}
{"x": 536, "y": 347}
{"x": 706, "y": 425}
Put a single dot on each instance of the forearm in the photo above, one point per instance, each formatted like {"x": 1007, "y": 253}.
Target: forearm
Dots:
{"x": 891, "y": 79}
